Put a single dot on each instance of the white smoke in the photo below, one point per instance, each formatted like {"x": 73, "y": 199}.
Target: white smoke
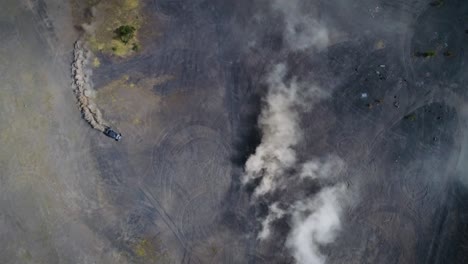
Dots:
{"x": 279, "y": 123}
{"x": 302, "y": 30}
{"x": 280, "y": 132}
{"x": 315, "y": 223}
{"x": 274, "y": 213}
{"x": 317, "y": 169}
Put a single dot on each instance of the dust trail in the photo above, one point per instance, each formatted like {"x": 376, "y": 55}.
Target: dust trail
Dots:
{"x": 83, "y": 87}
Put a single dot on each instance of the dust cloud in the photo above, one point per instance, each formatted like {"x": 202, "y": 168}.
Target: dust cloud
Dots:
{"x": 315, "y": 223}
{"x": 280, "y": 133}
{"x": 302, "y": 30}
{"x": 314, "y": 220}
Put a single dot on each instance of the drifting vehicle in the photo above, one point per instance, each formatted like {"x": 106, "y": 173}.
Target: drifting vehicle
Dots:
{"x": 113, "y": 134}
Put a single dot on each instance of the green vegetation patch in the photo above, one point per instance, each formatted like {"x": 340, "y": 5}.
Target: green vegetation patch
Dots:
{"x": 125, "y": 33}
{"x": 116, "y": 27}
{"x": 425, "y": 54}
{"x": 151, "y": 251}
{"x": 410, "y": 117}
{"x": 437, "y": 3}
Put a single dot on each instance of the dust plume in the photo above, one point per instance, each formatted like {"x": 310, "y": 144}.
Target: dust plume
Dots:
{"x": 275, "y": 213}
{"x": 302, "y": 30}
{"x": 280, "y": 132}
{"x": 83, "y": 88}
{"x": 315, "y": 223}
{"x": 279, "y": 123}
{"x": 328, "y": 167}
{"x": 282, "y": 176}
{"x": 314, "y": 220}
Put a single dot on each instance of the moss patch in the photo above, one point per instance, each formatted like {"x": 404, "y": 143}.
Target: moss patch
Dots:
{"x": 150, "y": 251}
{"x": 410, "y": 117}
{"x": 96, "y": 62}
{"x": 131, "y": 4}
{"x": 437, "y": 3}
{"x": 425, "y": 54}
